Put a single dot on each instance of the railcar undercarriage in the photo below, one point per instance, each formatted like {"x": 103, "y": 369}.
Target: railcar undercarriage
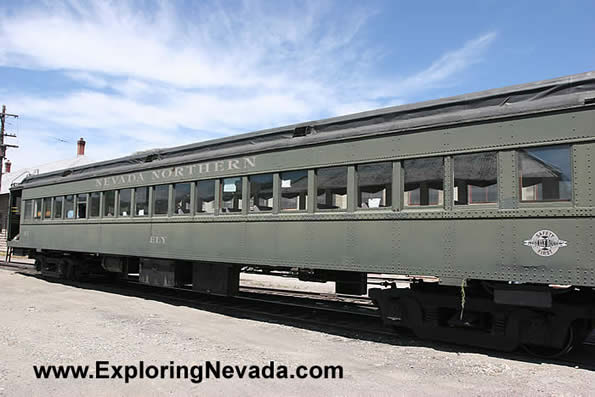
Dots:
{"x": 542, "y": 320}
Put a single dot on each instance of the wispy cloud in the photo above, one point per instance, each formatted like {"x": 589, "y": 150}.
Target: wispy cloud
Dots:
{"x": 449, "y": 65}
{"x": 165, "y": 76}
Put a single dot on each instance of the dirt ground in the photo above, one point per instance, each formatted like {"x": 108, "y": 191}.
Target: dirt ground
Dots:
{"x": 52, "y": 323}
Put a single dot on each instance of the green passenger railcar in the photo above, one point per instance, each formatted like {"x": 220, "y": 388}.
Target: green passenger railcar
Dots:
{"x": 491, "y": 193}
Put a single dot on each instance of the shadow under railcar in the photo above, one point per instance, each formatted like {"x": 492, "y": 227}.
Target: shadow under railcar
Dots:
{"x": 337, "y": 324}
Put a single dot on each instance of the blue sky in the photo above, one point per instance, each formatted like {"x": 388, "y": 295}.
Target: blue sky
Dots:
{"x": 134, "y": 75}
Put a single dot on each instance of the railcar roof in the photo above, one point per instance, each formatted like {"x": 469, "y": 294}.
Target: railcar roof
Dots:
{"x": 547, "y": 95}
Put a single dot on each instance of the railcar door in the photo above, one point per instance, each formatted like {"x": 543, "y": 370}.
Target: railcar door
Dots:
{"x": 14, "y": 214}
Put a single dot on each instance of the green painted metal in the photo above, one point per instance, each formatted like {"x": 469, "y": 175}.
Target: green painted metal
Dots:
{"x": 453, "y": 242}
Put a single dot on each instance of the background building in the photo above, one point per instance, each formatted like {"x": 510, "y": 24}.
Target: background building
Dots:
{"x": 10, "y": 177}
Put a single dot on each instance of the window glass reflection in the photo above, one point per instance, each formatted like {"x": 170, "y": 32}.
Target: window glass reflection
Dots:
{"x": 141, "y": 201}
{"x": 37, "y": 209}
{"x": 58, "y": 203}
{"x": 125, "y": 198}
{"x": 294, "y": 190}
{"x": 94, "y": 201}
{"x": 28, "y": 209}
{"x": 261, "y": 192}
{"x": 231, "y": 195}
{"x": 331, "y": 188}
{"x": 161, "y": 199}
{"x": 205, "y": 197}
{"x": 81, "y": 206}
{"x": 424, "y": 181}
{"x": 182, "y": 198}
{"x": 475, "y": 178}
{"x": 69, "y": 207}
{"x": 109, "y": 203}
{"x": 545, "y": 174}
{"x": 47, "y": 208}
{"x": 374, "y": 185}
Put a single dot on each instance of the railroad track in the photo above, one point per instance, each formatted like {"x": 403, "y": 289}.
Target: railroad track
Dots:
{"x": 345, "y": 315}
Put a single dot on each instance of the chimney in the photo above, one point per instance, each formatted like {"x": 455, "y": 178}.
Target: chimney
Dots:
{"x": 80, "y": 147}
{"x": 7, "y": 166}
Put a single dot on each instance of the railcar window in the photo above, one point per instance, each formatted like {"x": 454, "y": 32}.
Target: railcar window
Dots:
{"x": 475, "y": 178}
{"x": 58, "y": 203}
{"x": 374, "y": 185}
{"x": 231, "y": 195}
{"x": 47, "y": 208}
{"x": 294, "y": 190}
{"x": 261, "y": 193}
{"x": 331, "y": 188}
{"x": 109, "y": 203}
{"x": 161, "y": 199}
{"x": 424, "y": 181}
{"x": 205, "y": 197}
{"x": 81, "y": 206}
{"x": 125, "y": 197}
{"x": 37, "y": 209}
{"x": 94, "y": 204}
{"x": 182, "y": 198}
{"x": 69, "y": 206}
{"x": 545, "y": 174}
{"x": 28, "y": 209}
{"x": 141, "y": 201}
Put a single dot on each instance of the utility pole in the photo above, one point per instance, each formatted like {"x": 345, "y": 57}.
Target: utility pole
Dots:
{"x": 3, "y": 134}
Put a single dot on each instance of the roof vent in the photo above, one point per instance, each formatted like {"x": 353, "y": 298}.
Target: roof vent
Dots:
{"x": 302, "y": 131}
{"x": 151, "y": 157}
{"x": 66, "y": 173}
{"x": 589, "y": 101}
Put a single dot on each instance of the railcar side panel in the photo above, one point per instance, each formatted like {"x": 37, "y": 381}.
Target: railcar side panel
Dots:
{"x": 492, "y": 249}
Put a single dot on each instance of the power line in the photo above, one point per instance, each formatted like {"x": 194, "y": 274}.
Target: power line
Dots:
{"x": 62, "y": 140}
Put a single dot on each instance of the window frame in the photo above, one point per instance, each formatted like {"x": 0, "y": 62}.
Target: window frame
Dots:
{"x": 242, "y": 209}
{"x": 307, "y": 205}
{"x": 215, "y": 211}
{"x": 54, "y": 201}
{"x": 469, "y": 204}
{"x": 89, "y": 195}
{"x": 135, "y": 202}
{"x": 273, "y": 197}
{"x": 395, "y": 188}
{"x": 173, "y": 205}
{"x": 30, "y": 201}
{"x": 420, "y": 207}
{"x": 76, "y": 206}
{"x": 104, "y": 204}
{"x": 553, "y": 203}
{"x": 44, "y": 217}
{"x": 154, "y": 200}
{"x": 356, "y": 199}
{"x": 64, "y": 211}
{"x": 33, "y": 209}
{"x": 316, "y": 203}
{"x": 119, "y": 203}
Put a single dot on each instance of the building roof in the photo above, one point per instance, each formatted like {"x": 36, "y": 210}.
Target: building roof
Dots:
{"x": 17, "y": 176}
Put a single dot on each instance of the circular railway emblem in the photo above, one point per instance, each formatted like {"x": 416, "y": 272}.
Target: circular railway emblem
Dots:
{"x": 545, "y": 243}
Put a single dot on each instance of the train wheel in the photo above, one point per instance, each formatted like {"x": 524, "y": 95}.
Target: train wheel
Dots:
{"x": 550, "y": 352}
{"x": 39, "y": 263}
{"x": 72, "y": 270}
{"x": 63, "y": 269}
